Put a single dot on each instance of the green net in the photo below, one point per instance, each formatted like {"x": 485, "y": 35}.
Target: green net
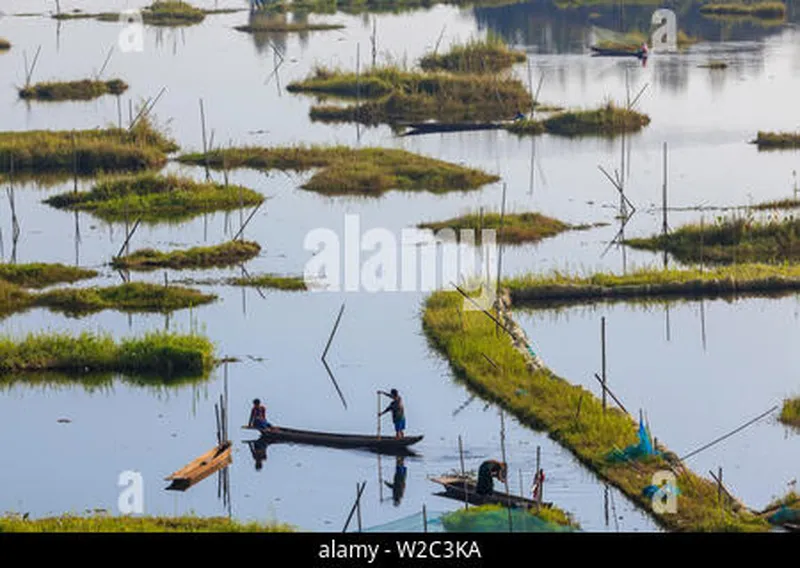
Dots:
{"x": 430, "y": 522}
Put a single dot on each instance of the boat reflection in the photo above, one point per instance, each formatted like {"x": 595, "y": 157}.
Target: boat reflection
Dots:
{"x": 258, "y": 449}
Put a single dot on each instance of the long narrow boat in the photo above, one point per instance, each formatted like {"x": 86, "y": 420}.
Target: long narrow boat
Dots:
{"x": 200, "y": 468}
{"x": 462, "y": 489}
{"x": 414, "y": 128}
{"x": 382, "y": 444}
{"x": 617, "y": 52}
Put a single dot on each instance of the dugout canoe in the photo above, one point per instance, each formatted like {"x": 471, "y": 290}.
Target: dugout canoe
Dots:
{"x": 200, "y": 468}
{"x": 382, "y": 444}
{"x": 616, "y": 52}
{"x": 461, "y": 489}
{"x": 415, "y": 128}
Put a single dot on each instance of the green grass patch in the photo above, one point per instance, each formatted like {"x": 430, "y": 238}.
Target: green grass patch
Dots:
{"x": 737, "y": 238}
{"x": 714, "y": 65}
{"x": 608, "y": 120}
{"x": 103, "y": 523}
{"x": 489, "y": 55}
{"x": 225, "y": 254}
{"x": 495, "y": 518}
{"x": 170, "y": 354}
{"x": 775, "y": 140}
{"x": 155, "y": 197}
{"x": 271, "y": 281}
{"x": 516, "y": 227}
{"x": 172, "y": 13}
{"x": 82, "y": 90}
{"x": 738, "y": 279}
{"x": 347, "y": 171}
{"x": 767, "y": 10}
{"x": 790, "y": 413}
{"x": 788, "y": 203}
{"x": 41, "y": 275}
{"x": 390, "y": 95}
{"x": 545, "y": 401}
{"x": 93, "y": 151}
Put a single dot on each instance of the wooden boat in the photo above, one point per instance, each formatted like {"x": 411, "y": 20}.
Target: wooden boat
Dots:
{"x": 413, "y": 128}
{"x": 200, "y": 468}
{"x": 463, "y": 489}
{"x": 381, "y": 444}
{"x": 618, "y": 52}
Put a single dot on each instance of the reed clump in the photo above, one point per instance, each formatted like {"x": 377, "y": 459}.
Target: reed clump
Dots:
{"x": 348, "y": 171}
{"x": 104, "y": 523}
{"x": 607, "y": 120}
{"x": 170, "y": 354}
{"x": 489, "y": 55}
{"x": 545, "y": 401}
{"x": 41, "y": 275}
{"x": 172, "y": 13}
{"x": 154, "y": 197}
{"x": 766, "y": 10}
{"x": 775, "y": 140}
{"x": 515, "y": 227}
{"x": 790, "y": 413}
{"x": 737, "y": 238}
{"x": 82, "y": 90}
{"x": 270, "y": 281}
{"x": 85, "y": 151}
{"x": 222, "y": 255}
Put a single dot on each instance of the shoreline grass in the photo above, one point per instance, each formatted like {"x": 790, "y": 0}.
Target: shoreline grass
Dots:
{"x": 558, "y": 288}
{"x": 165, "y": 353}
{"x": 154, "y": 197}
{"x": 389, "y": 95}
{"x": 790, "y": 413}
{"x": 104, "y": 523}
{"x": 765, "y": 10}
{"x": 490, "y": 55}
{"x": 97, "y": 150}
{"x": 738, "y": 238}
{"x": 347, "y": 171}
{"x": 777, "y": 140}
{"x": 41, "y": 275}
{"x": 516, "y": 228}
{"x": 544, "y": 401}
{"x": 82, "y": 90}
{"x": 608, "y": 120}
{"x": 222, "y": 255}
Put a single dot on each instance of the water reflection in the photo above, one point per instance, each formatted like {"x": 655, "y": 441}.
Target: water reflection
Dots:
{"x": 398, "y": 484}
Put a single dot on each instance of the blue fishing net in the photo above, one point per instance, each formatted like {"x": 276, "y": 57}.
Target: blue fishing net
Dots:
{"x": 635, "y": 451}
{"x": 784, "y": 515}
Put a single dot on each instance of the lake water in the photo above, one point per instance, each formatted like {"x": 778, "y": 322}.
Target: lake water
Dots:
{"x": 705, "y": 117}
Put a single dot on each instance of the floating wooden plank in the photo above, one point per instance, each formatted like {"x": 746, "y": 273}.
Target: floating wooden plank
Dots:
{"x": 200, "y": 468}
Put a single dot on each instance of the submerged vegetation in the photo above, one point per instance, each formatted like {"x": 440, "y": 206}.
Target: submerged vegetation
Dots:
{"x": 543, "y": 400}
{"x": 766, "y": 10}
{"x": 271, "y": 281}
{"x": 738, "y": 238}
{"x": 154, "y": 197}
{"x": 83, "y": 90}
{"x": 389, "y": 95}
{"x": 41, "y": 275}
{"x": 489, "y": 55}
{"x": 225, "y": 254}
{"x": 99, "y": 523}
{"x": 515, "y": 227}
{"x": 495, "y": 518}
{"x": 772, "y": 140}
{"x": 790, "y": 413}
{"x": 170, "y": 355}
{"x": 344, "y": 171}
{"x": 85, "y": 151}
{"x": 607, "y": 120}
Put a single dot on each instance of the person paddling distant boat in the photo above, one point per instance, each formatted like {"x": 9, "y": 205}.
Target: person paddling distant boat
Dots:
{"x": 398, "y": 412}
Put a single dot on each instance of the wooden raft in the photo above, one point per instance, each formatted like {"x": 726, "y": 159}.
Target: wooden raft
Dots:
{"x": 200, "y": 468}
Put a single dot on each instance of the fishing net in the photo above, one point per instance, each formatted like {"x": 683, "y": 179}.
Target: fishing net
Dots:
{"x": 784, "y": 515}
{"x": 635, "y": 451}
{"x": 412, "y": 523}
{"x": 494, "y": 518}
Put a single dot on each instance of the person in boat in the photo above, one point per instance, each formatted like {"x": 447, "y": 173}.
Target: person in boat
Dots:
{"x": 258, "y": 416}
{"x": 486, "y": 472}
{"x": 398, "y": 411}
{"x": 398, "y": 486}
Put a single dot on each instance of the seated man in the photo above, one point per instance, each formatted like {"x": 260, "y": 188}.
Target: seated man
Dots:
{"x": 258, "y": 416}
{"x": 488, "y": 470}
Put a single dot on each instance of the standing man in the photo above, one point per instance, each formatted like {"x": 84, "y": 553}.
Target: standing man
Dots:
{"x": 398, "y": 412}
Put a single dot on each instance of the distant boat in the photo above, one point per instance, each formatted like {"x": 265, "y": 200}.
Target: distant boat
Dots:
{"x": 413, "y": 128}
{"x": 381, "y": 444}
{"x": 621, "y": 51}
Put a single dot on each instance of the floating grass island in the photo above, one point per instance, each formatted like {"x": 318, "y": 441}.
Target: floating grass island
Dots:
{"x": 129, "y": 298}
{"x": 734, "y": 280}
{"x": 494, "y": 518}
{"x": 765, "y": 10}
{"x": 489, "y": 55}
{"x": 347, "y": 171}
{"x": 729, "y": 240}
{"x": 372, "y": 6}
{"x": 390, "y": 95}
{"x": 790, "y": 413}
{"x": 171, "y": 355}
{"x": 775, "y": 140}
{"x": 154, "y": 197}
{"x": 516, "y": 228}
{"x": 99, "y": 150}
{"x": 271, "y": 281}
{"x": 608, "y": 120}
{"x": 226, "y": 254}
{"x": 714, "y": 65}
{"x": 41, "y": 275}
{"x": 100, "y": 523}
{"x": 82, "y": 90}
{"x": 545, "y": 401}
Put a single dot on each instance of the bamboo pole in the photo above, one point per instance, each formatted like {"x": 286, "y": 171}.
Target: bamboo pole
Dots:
{"x": 503, "y": 452}
{"x": 463, "y": 471}
{"x": 603, "y": 347}
{"x": 424, "y": 519}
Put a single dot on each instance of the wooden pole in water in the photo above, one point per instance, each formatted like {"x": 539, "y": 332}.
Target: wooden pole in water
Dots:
{"x": 424, "y": 519}
{"x": 358, "y": 507}
{"x": 505, "y": 463}
{"x": 353, "y": 509}
{"x": 603, "y": 348}
{"x": 719, "y": 487}
{"x": 702, "y": 220}
{"x": 463, "y": 471}
{"x": 378, "y": 395}
{"x": 665, "y": 227}
{"x": 538, "y": 476}
{"x": 203, "y": 128}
